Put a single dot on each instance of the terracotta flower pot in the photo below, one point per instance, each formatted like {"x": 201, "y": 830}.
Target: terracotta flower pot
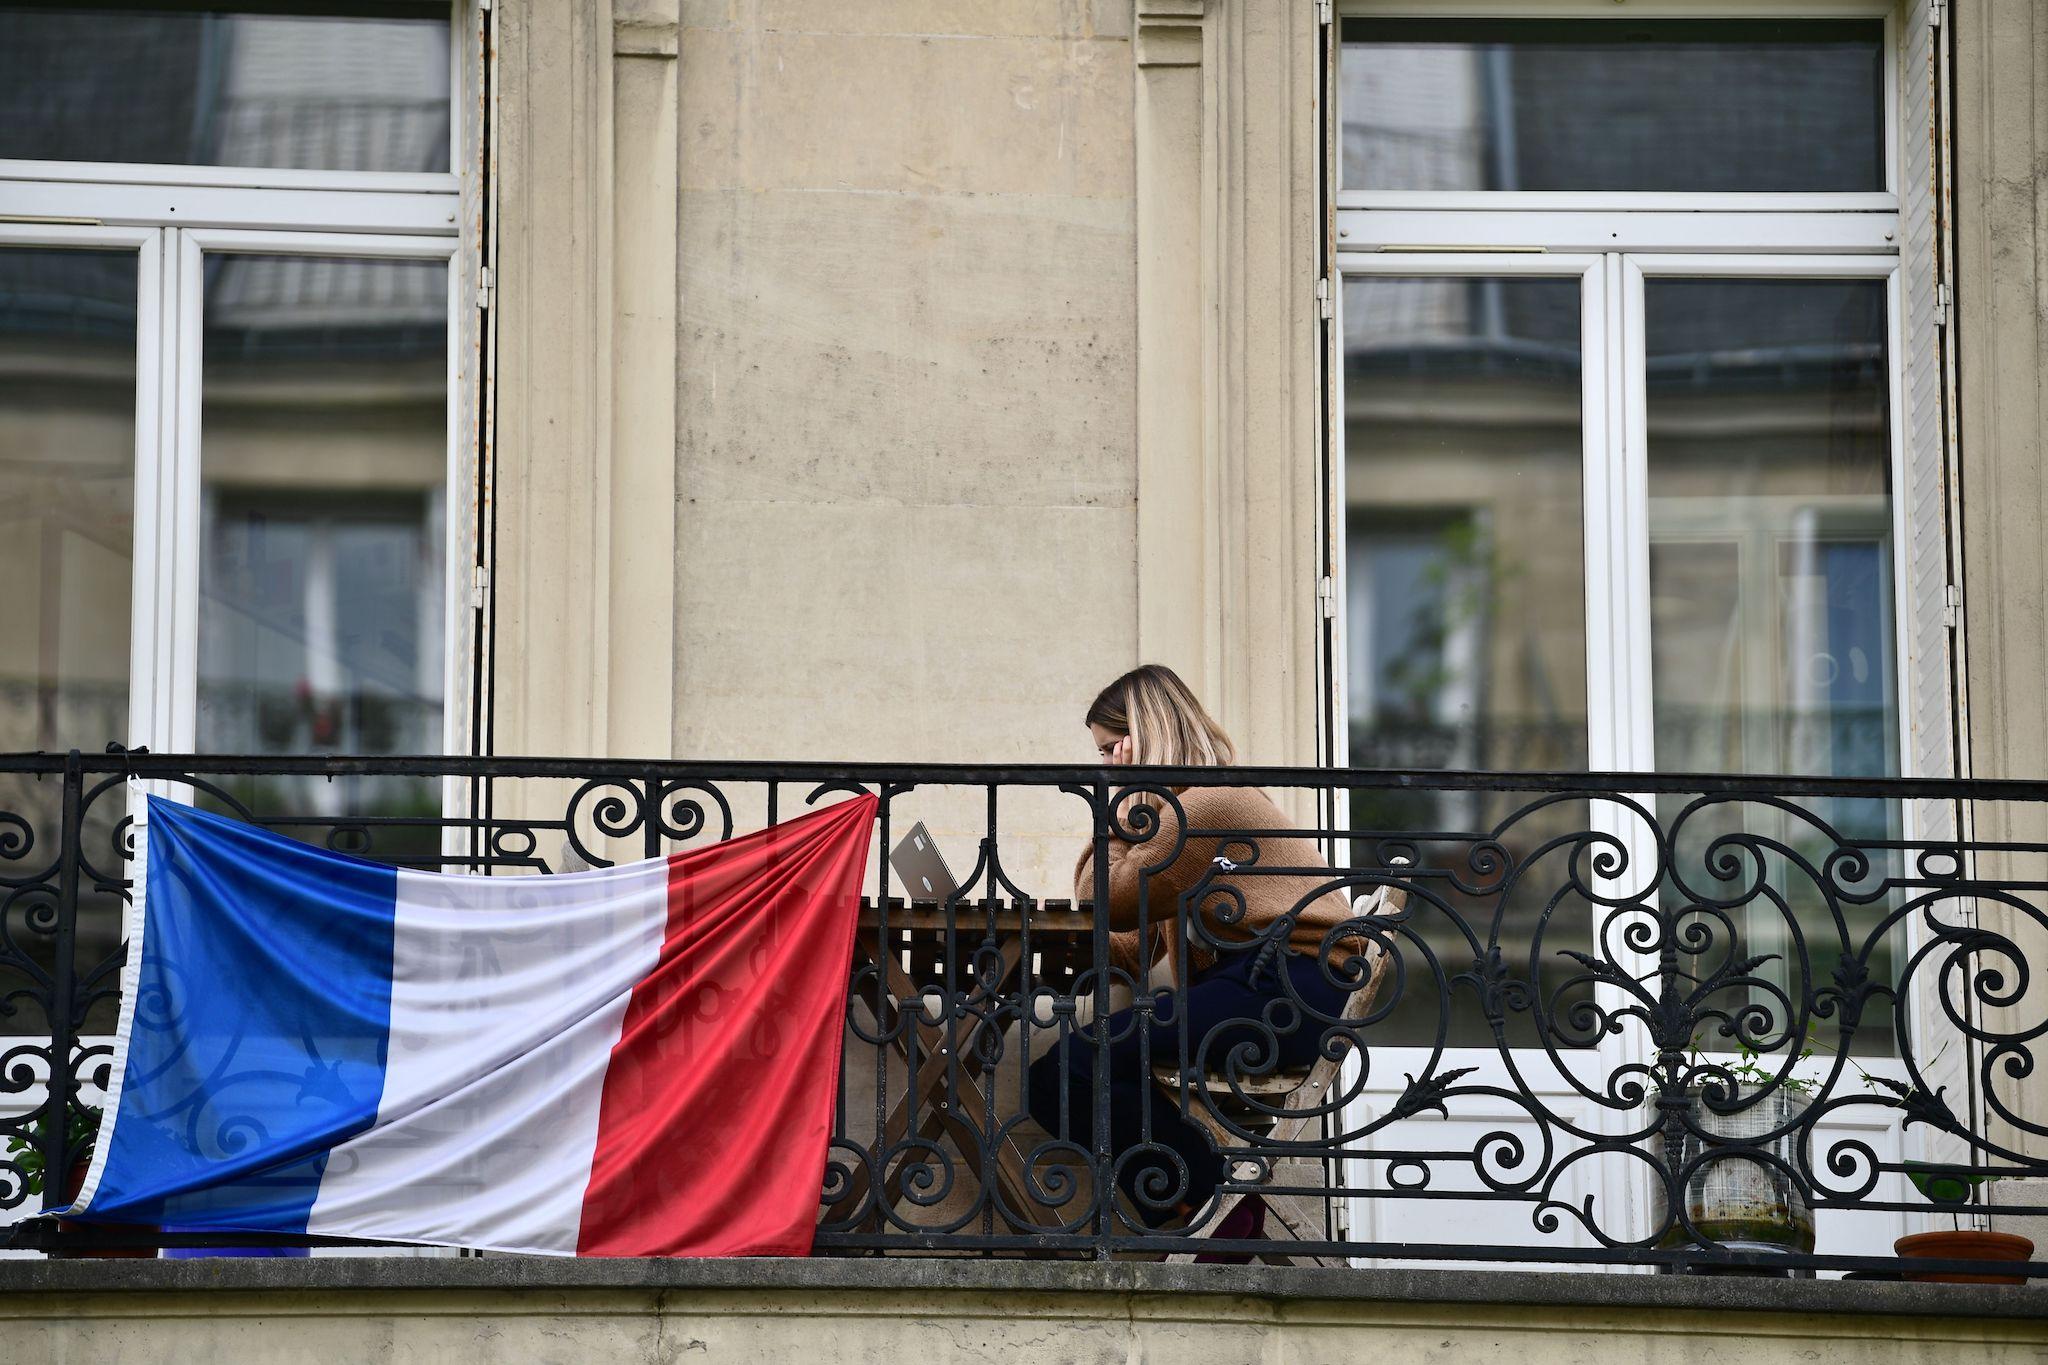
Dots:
{"x": 1972, "y": 1245}
{"x": 72, "y": 1185}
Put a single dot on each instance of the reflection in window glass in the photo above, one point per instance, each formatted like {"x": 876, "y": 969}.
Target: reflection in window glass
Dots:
{"x": 67, "y": 526}
{"x": 1465, "y": 592}
{"x": 1613, "y": 104}
{"x": 211, "y": 87}
{"x": 1771, "y": 571}
{"x": 323, "y": 455}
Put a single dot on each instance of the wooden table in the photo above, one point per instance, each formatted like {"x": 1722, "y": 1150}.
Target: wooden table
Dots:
{"x": 949, "y": 1079}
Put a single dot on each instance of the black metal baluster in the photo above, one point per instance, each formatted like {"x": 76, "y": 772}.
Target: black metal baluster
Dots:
{"x": 886, "y": 1018}
{"x": 1105, "y": 1202}
{"x": 62, "y": 1089}
{"x": 650, "y": 814}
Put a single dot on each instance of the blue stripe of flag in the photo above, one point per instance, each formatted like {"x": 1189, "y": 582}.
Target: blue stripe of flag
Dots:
{"x": 260, "y": 1027}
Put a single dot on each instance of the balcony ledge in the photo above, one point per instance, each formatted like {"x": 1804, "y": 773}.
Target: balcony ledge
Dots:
{"x": 1608, "y": 1292}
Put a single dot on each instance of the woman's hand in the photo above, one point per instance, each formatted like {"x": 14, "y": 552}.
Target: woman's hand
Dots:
{"x": 1111, "y": 747}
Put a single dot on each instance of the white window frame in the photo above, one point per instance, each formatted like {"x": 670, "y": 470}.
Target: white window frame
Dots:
{"x": 1519, "y": 232}
{"x": 1614, "y": 243}
{"x": 1414, "y": 232}
{"x": 170, "y": 215}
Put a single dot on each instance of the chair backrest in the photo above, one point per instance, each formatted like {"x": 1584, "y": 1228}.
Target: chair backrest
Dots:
{"x": 1381, "y": 900}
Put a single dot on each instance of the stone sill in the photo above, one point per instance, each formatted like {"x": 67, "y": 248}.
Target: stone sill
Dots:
{"x": 501, "y": 1274}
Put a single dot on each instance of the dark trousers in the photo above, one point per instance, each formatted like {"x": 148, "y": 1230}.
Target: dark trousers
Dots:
{"x": 1236, "y": 1003}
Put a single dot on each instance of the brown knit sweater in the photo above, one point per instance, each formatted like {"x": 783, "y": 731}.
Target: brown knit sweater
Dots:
{"x": 1154, "y": 871}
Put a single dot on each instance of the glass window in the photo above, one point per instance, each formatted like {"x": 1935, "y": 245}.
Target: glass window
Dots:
{"x": 67, "y": 494}
{"x": 67, "y": 527}
{"x": 1770, "y": 526}
{"x": 1464, "y": 456}
{"x": 1613, "y": 104}
{"x": 1465, "y": 596}
{"x": 323, "y": 451}
{"x": 1771, "y": 575}
{"x": 210, "y": 86}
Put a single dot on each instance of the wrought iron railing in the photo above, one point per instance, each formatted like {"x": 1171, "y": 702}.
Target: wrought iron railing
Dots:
{"x": 1672, "y": 1022}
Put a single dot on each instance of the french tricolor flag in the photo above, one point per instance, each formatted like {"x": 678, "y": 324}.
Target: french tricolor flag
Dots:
{"x": 633, "y": 1061}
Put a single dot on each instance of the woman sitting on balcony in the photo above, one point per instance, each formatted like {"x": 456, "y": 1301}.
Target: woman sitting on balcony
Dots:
{"x": 1255, "y": 945}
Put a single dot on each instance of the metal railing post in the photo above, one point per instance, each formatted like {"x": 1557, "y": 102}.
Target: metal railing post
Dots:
{"x": 650, "y": 830}
{"x": 62, "y": 1087}
{"x": 1105, "y": 1184}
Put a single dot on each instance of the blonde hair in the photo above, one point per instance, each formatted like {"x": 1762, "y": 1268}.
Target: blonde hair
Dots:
{"x": 1165, "y": 721}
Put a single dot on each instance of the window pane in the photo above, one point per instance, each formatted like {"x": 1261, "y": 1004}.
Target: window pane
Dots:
{"x": 217, "y": 88}
{"x": 1613, "y": 104}
{"x": 67, "y": 522}
{"x": 1465, "y": 591}
{"x": 67, "y": 495}
{"x": 323, "y": 454}
{"x": 1771, "y": 571}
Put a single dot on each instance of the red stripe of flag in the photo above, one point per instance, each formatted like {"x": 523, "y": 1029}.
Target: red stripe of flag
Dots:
{"x": 718, "y": 1101}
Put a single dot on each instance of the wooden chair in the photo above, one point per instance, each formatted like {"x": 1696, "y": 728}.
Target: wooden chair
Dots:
{"x": 1298, "y": 1095}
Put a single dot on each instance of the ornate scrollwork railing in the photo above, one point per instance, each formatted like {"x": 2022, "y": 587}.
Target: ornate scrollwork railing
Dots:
{"x": 1663, "y": 1021}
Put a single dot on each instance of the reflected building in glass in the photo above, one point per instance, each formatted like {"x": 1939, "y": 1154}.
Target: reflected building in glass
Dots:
{"x": 323, "y": 388}
{"x": 1767, "y": 425}
{"x": 171, "y": 87}
{"x": 324, "y": 430}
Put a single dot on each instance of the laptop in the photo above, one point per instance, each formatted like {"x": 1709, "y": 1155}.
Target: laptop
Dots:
{"x": 919, "y": 865}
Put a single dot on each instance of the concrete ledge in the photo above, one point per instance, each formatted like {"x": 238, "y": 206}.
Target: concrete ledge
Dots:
{"x": 501, "y": 1274}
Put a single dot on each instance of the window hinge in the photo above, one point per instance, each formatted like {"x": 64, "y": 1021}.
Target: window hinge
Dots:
{"x": 483, "y": 287}
{"x": 1941, "y": 305}
{"x": 1323, "y": 309}
{"x": 1325, "y": 12}
{"x": 1952, "y": 606}
{"x": 479, "y": 586}
{"x": 1934, "y": 13}
{"x": 1326, "y": 595}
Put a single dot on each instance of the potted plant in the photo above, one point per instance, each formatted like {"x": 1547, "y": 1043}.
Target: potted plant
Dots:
{"x": 1953, "y": 1189}
{"x": 1737, "y": 1202}
{"x": 83, "y": 1132}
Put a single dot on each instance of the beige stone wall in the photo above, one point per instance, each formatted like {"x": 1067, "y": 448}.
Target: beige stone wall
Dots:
{"x": 2001, "y": 138}
{"x": 862, "y": 278}
{"x": 816, "y": 414}
{"x": 822, "y": 431}
{"x": 905, "y": 481}
{"x": 875, "y": 380}
{"x": 943, "y": 1326}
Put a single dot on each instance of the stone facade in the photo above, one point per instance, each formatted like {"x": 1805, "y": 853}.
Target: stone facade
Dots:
{"x": 874, "y": 381}
{"x": 939, "y": 1311}
{"x": 2002, "y": 372}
